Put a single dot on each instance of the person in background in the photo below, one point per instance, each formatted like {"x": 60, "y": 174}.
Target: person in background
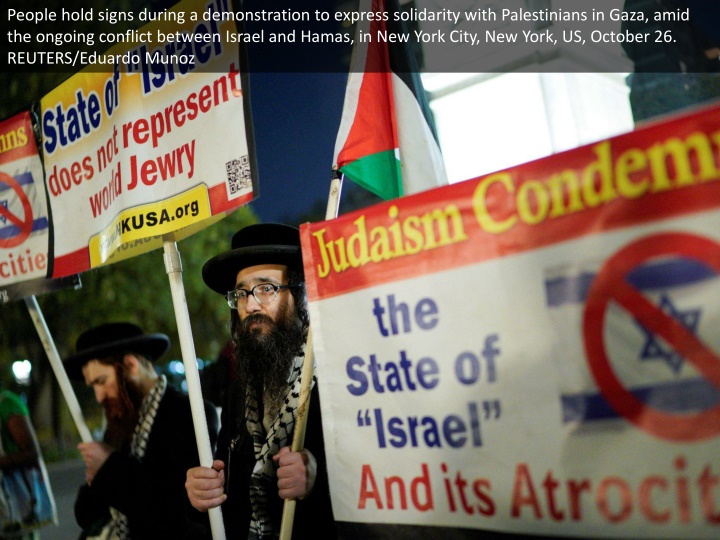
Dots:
{"x": 21, "y": 451}
{"x": 134, "y": 478}
{"x": 218, "y": 375}
{"x": 255, "y": 470}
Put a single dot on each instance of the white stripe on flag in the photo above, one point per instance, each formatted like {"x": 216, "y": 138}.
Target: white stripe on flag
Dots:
{"x": 421, "y": 162}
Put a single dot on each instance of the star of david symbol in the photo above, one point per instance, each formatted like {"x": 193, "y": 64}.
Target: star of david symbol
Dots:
{"x": 654, "y": 350}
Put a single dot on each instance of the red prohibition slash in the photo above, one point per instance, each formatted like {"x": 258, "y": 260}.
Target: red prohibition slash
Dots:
{"x": 611, "y": 285}
{"x": 24, "y": 225}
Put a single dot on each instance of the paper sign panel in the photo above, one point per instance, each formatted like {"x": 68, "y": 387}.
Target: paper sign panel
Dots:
{"x": 24, "y": 225}
{"x": 533, "y": 351}
{"x": 150, "y": 146}
{"x": 23, "y": 210}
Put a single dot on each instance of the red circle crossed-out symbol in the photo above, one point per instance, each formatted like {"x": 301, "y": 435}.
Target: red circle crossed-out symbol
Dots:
{"x": 610, "y": 285}
{"x": 24, "y": 225}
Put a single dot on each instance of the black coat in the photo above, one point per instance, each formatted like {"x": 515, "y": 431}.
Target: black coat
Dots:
{"x": 313, "y": 515}
{"x": 152, "y": 493}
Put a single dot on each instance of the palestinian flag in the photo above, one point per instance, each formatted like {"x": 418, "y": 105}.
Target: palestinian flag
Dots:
{"x": 387, "y": 141}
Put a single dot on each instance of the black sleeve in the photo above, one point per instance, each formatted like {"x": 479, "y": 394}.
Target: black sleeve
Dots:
{"x": 91, "y": 511}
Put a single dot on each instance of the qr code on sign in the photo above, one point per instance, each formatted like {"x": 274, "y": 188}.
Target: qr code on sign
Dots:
{"x": 238, "y": 174}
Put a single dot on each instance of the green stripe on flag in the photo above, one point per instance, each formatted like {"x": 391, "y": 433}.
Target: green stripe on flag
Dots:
{"x": 379, "y": 173}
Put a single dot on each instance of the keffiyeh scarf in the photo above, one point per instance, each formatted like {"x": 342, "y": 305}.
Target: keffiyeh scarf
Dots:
{"x": 266, "y": 445}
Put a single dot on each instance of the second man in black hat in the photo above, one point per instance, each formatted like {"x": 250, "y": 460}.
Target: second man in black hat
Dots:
{"x": 134, "y": 478}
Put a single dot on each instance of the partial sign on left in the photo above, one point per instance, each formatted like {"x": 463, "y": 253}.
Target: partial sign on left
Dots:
{"x": 24, "y": 220}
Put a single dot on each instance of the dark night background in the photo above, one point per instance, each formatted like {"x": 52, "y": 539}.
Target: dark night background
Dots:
{"x": 296, "y": 96}
{"x": 295, "y": 118}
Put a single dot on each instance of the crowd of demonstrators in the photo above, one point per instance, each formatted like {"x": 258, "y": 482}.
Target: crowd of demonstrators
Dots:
{"x": 255, "y": 470}
{"x": 134, "y": 478}
{"x": 144, "y": 480}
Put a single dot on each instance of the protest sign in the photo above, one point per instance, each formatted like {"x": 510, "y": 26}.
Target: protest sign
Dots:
{"x": 24, "y": 225}
{"x": 533, "y": 351}
{"x": 23, "y": 211}
{"x": 153, "y": 143}
{"x": 24, "y": 237}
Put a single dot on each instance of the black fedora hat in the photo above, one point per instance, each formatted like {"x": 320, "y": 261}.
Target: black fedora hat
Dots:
{"x": 114, "y": 338}
{"x": 263, "y": 243}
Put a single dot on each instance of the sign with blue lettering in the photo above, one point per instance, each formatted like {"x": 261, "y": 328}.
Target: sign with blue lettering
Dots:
{"x": 152, "y": 139}
{"x": 534, "y": 351}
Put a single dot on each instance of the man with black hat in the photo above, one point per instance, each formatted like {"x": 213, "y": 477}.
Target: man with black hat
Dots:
{"x": 254, "y": 470}
{"x": 134, "y": 478}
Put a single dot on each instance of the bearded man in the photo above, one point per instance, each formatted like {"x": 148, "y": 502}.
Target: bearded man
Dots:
{"x": 261, "y": 278}
{"x": 134, "y": 478}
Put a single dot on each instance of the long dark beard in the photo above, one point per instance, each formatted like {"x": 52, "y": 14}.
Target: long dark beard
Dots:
{"x": 264, "y": 361}
{"x": 122, "y": 413}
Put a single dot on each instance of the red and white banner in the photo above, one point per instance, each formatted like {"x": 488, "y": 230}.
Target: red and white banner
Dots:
{"x": 23, "y": 210}
{"x": 24, "y": 225}
{"x": 533, "y": 351}
{"x": 154, "y": 143}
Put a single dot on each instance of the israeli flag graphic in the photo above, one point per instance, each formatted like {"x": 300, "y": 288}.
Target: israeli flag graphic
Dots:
{"x": 653, "y": 371}
{"x": 14, "y": 200}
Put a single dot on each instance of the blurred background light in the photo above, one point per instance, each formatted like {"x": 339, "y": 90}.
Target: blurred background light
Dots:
{"x": 22, "y": 370}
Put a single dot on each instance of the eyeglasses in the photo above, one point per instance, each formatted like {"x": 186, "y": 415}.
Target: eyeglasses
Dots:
{"x": 264, "y": 293}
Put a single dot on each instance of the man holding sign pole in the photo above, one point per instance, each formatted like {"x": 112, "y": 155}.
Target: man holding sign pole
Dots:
{"x": 255, "y": 469}
{"x": 134, "y": 478}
